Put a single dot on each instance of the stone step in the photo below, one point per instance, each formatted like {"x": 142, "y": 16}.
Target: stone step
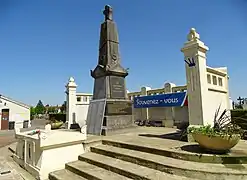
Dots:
{"x": 127, "y": 169}
{"x": 91, "y": 171}
{"x": 176, "y": 152}
{"x": 64, "y": 174}
{"x": 206, "y": 171}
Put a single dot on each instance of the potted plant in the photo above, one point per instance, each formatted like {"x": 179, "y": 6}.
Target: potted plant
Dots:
{"x": 220, "y": 137}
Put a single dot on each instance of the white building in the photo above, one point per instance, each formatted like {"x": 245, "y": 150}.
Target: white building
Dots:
{"x": 13, "y": 114}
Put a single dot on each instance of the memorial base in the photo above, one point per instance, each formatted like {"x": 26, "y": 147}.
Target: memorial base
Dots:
{"x": 115, "y": 124}
{"x": 108, "y": 116}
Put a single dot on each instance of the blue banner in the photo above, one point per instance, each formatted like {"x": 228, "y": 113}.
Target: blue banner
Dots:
{"x": 161, "y": 100}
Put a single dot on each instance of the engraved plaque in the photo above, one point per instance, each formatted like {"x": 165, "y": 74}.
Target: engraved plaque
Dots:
{"x": 118, "y": 108}
{"x": 117, "y": 87}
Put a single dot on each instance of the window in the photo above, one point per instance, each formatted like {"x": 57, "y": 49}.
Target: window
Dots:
{"x": 78, "y": 99}
{"x": 85, "y": 98}
{"x": 209, "y": 78}
{"x": 220, "y": 81}
{"x": 214, "y": 80}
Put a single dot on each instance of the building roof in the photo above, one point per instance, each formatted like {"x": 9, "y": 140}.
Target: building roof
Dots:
{"x": 83, "y": 94}
{"x": 14, "y": 101}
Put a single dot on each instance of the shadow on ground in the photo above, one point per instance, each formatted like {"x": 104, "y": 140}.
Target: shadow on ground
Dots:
{"x": 228, "y": 160}
{"x": 195, "y": 148}
{"x": 178, "y": 135}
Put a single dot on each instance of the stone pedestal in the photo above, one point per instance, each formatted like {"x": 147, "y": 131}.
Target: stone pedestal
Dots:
{"x": 118, "y": 115}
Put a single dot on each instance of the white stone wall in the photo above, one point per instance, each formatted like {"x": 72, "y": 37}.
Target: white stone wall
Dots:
{"x": 82, "y": 109}
{"x": 58, "y": 163}
{"x": 218, "y": 92}
{"x": 77, "y": 104}
{"x": 48, "y": 152}
{"x": 181, "y": 115}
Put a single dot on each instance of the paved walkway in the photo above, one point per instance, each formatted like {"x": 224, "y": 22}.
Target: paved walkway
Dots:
{"x": 7, "y": 139}
{"x": 7, "y": 164}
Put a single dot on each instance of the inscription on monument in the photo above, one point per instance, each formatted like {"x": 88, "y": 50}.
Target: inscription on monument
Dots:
{"x": 117, "y": 87}
{"x": 118, "y": 108}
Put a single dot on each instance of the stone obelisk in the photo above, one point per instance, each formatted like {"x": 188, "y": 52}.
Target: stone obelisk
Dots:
{"x": 110, "y": 109}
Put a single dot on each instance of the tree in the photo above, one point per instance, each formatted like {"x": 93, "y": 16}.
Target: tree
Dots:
{"x": 32, "y": 112}
{"x": 40, "y": 109}
{"x": 51, "y": 109}
{"x": 63, "y": 107}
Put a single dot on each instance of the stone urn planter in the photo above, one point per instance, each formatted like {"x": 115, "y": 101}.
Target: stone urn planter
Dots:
{"x": 56, "y": 125}
{"x": 216, "y": 143}
{"x": 220, "y": 137}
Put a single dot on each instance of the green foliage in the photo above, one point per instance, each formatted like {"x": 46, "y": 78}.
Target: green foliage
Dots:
{"x": 239, "y": 117}
{"x": 32, "y": 112}
{"x": 239, "y": 106}
{"x": 206, "y": 130}
{"x": 58, "y": 117}
{"x": 239, "y": 112}
{"x": 222, "y": 126}
{"x": 63, "y": 107}
{"x": 51, "y": 109}
{"x": 39, "y": 109}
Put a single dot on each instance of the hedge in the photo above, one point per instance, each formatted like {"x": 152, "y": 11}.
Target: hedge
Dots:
{"x": 59, "y": 117}
{"x": 239, "y": 116}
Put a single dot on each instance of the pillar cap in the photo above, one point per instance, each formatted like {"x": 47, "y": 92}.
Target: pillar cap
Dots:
{"x": 71, "y": 83}
{"x": 194, "y": 42}
{"x": 193, "y": 35}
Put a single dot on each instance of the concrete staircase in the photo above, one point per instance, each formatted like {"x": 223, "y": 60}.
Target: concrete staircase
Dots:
{"x": 119, "y": 160}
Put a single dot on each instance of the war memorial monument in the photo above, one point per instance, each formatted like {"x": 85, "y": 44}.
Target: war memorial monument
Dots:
{"x": 110, "y": 108}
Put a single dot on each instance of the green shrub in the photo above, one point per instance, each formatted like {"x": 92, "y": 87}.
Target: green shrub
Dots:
{"x": 239, "y": 117}
{"x": 58, "y": 117}
{"x": 223, "y": 125}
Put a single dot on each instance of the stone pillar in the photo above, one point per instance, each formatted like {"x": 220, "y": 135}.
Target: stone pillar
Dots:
{"x": 169, "y": 111}
{"x": 229, "y": 103}
{"x": 144, "y": 111}
{"x": 71, "y": 102}
{"x": 195, "y": 57}
{"x": 168, "y": 87}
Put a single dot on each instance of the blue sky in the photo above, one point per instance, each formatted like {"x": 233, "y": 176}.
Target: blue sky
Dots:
{"x": 43, "y": 43}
